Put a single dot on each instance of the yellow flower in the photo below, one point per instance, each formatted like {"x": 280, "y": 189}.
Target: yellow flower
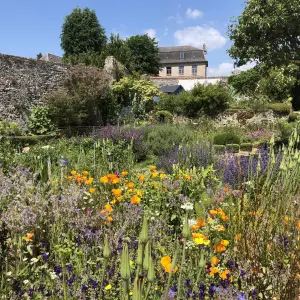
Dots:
{"x": 224, "y": 274}
{"x": 135, "y": 200}
{"x": 141, "y": 177}
{"x": 109, "y": 218}
{"x": 85, "y": 173}
{"x": 104, "y": 179}
{"x": 152, "y": 168}
{"x": 162, "y": 176}
{"x": 237, "y": 236}
{"x": 116, "y": 192}
{"x": 286, "y": 219}
{"x": 129, "y": 191}
{"x": 220, "y": 228}
{"x": 83, "y": 178}
{"x": 165, "y": 260}
{"x": 54, "y": 182}
{"x": 73, "y": 173}
{"x": 124, "y": 173}
{"x": 90, "y": 181}
{"x": 201, "y": 239}
{"x": 154, "y": 174}
{"x": 214, "y": 261}
{"x": 187, "y": 177}
{"x": 213, "y": 271}
{"x": 71, "y": 178}
{"x": 115, "y": 180}
{"x": 130, "y": 185}
{"x": 224, "y": 243}
{"x": 92, "y": 190}
{"x": 139, "y": 193}
{"x": 29, "y": 236}
{"x": 108, "y": 208}
{"x": 213, "y": 212}
{"x": 108, "y": 287}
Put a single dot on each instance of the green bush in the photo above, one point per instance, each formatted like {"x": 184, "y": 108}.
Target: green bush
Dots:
{"x": 286, "y": 129}
{"x": 162, "y": 138}
{"x": 280, "y": 108}
{"x": 39, "y": 121}
{"x": 246, "y": 147}
{"x": 9, "y": 128}
{"x": 219, "y": 149}
{"x": 293, "y": 117}
{"x": 233, "y": 148}
{"x": 226, "y": 138}
{"x": 164, "y": 116}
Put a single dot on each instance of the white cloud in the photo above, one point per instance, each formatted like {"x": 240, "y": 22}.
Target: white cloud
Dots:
{"x": 225, "y": 69}
{"x": 177, "y": 19}
{"x": 196, "y": 36}
{"x": 166, "y": 31}
{"x": 193, "y": 13}
{"x": 151, "y": 33}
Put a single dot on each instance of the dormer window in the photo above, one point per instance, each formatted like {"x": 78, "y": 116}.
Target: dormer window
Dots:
{"x": 181, "y": 55}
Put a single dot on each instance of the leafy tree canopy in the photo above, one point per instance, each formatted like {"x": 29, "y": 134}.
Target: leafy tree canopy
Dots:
{"x": 144, "y": 52}
{"x": 82, "y": 33}
{"x": 268, "y": 32}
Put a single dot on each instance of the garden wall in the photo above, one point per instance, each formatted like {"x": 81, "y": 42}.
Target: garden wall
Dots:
{"x": 24, "y": 82}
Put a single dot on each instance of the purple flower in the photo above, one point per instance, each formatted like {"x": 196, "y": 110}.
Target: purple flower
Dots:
{"x": 242, "y": 296}
{"x": 45, "y": 256}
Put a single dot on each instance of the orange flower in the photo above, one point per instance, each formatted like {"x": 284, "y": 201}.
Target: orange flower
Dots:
{"x": 165, "y": 260}
{"x": 142, "y": 177}
{"x": 168, "y": 268}
{"x": 78, "y": 180}
{"x": 90, "y": 181}
{"x": 237, "y": 236}
{"x": 214, "y": 261}
{"x": 115, "y": 180}
{"x": 226, "y": 189}
{"x": 200, "y": 223}
{"x": 224, "y": 274}
{"x": 109, "y": 218}
{"x": 213, "y": 271}
{"x": 139, "y": 193}
{"x": 124, "y": 173}
{"x": 73, "y": 173}
{"x": 219, "y": 248}
{"x": 85, "y": 173}
{"x": 116, "y": 192}
{"x": 83, "y": 178}
{"x": 152, "y": 168}
{"x": 104, "y": 179}
{"x": 286, "y": 219}
{"x": 135, "y": 200}
{"x": 298, "y": 225}
{"x": 154, "y": 174}
{"x": 92, "y": 190}
{"x": 70, "y": 177}
{"x": 29, "y": 236}
{"x": 130, "y": 185}
{"x": 187, "y": 177}
{"x": 213, "y": 212}
{"x": 220, "y": 228}
{"x": 224, "y": 243}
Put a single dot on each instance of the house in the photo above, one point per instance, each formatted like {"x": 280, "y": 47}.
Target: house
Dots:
{"x": 51, "y": 58}
{"x": 172, "y": 89}
{"x": 183, "y": 61}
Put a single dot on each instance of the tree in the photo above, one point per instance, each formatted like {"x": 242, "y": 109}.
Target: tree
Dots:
{"x": 39, "y": 55}
{"x": 82, "y": 33}
{"x": 268, "y": 32}
{"x": 144, "y": 52}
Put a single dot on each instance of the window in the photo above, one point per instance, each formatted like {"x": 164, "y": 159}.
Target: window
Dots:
{"x": 194, "y": 70}
{"x": 169, "y": 71}
{"x": 181, "y": 55}
{"x": 181, "y": 70}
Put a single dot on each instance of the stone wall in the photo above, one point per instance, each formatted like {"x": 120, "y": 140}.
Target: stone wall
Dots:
{"x": 187, "y": 82}
{"x": 24, "y": 82}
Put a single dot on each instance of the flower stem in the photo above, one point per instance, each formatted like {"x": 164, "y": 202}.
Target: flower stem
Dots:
{"x": 181, "y": 268}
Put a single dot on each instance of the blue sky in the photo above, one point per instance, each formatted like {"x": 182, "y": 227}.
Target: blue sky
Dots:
{"x": 32, "y": 26}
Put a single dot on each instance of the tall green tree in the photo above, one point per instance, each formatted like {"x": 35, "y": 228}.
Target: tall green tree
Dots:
{"x": 144, "y": 51}
{"x": 268, "y": 32}
{"x": 82, "y": 33}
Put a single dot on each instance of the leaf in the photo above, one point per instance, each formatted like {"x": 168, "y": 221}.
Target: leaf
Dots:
{"x": 173, "y": 217}
{"x": 199, "y": 210}
{"x": 29, "y": 249}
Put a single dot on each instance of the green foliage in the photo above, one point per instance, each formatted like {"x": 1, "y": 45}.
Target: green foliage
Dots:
{"x": 233, "y": 148}
{"x": 246, "y": 147}
{"x": 82, "y": 33}
{"x": 286, "y": 129}
{"x": 84, "y": 100}
{"x": 163, "y": 116}
{"x": 293, "y": 117}
{"x": 226, "y": 138}
{"x": 246, "y": 82}
{"x": 266, "y": 31}
{"x": 144, "y": 51}
{"x": 39, "y": 121}
{"x": 162, "y": 138}
{"x": 9, "y": 128}
{"x": 94, "y": 59}
{"x": 39, "y": 55}
{"x": 219, "y": 149}
{"x": 280, "y": 108}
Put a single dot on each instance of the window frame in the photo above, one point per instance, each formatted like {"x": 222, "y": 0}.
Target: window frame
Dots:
{"x": 181, "y": 68}
{"x": 194, "y": 67}
{"x": 181, "y": 55}
{"x": 169, "y": 68}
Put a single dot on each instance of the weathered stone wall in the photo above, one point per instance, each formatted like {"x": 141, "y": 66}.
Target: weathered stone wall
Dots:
{"x": 24, "y": 82}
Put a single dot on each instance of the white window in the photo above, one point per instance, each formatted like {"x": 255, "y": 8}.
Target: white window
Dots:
{"x": 169, "y": 71}
{"x": 181, "y": 55}
{"x": 181, "y": 70}
{"x": 194, "y": 70}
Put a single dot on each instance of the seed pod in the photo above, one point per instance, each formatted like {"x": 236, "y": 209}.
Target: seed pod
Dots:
{"x": 151, "y": 272}
{"x": 125, "y": 265}
{"x": 186, "y": 228}
{"x": 146, "y": 257}
{"x": 144, "y": 233}
{"x": 202, "y": 260}
{"x": 106, "y": 251}
{"x": 139, "y": 259}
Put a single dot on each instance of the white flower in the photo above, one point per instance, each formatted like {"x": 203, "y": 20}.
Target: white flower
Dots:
{"x": 8, "y": 274}
{"x": 34, "y": 260}
{"x": 187, "y": 206}
{"x": 25, "y": 281}
{"x": 192, "y": 222}
{"x": 53, "y": 275}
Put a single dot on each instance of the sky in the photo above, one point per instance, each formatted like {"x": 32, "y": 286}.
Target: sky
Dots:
{"x": 33, "y": 26}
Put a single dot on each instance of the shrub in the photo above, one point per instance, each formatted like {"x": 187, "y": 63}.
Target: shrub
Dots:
{"x": 246, "y": 147}
{"x": 233, "y": 148}
{"x": 162, "y": 138}
{"x": 9, "y": 128}
{"x": 226, "y": 138}
{"x": 280, "y": 108}
{"x": 164, "y": 116}
{"x": 39, "y": 121}
{"x": 220, "y": 149}
{"x": 293, "y": 117}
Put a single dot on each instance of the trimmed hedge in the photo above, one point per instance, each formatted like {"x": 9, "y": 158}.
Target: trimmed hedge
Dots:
{"x": 226, "y": 138}
{"x": 280, "y": 108}
{"x": 164, "y": 116}
{"x": 219, "y": 149}
{"x": 233, "y": 148}
{"x": 293, "y": 117}
{"x": 246, "y": 147}
{"x": 29, "y": 139}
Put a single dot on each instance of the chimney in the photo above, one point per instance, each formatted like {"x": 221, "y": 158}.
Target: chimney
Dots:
{"x": 204, "y": 49}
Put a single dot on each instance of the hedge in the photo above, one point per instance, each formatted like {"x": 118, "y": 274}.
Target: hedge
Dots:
{"x": 233, "y": 148}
